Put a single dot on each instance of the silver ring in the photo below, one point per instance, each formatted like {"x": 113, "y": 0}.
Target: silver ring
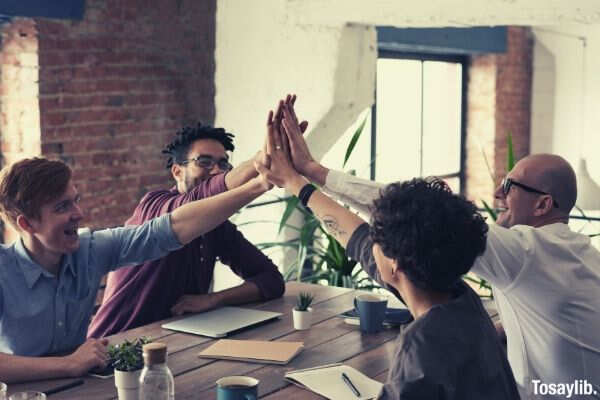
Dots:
{"x": 277, "y": 147}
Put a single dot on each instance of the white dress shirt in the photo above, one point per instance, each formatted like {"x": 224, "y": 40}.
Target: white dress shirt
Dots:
{"x": 547, "y": 287}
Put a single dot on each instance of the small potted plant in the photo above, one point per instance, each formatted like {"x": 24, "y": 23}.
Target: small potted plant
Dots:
{"x": 126, "y": 359}
{"x": 303, "y": 312}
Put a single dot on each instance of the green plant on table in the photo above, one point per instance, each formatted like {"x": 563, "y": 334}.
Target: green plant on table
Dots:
{"x": 304, "y": 301}
{"x": 127, "y": 356}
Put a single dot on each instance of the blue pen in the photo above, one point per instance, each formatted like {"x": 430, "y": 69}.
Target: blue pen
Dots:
{"x": 349, "y": 383}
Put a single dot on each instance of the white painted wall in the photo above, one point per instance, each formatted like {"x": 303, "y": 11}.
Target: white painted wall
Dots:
{"x": 566, "y": 100}
{"x": 433, "y": 13}
{"x": 261, "y": 55}
{"x": 325, "y": 51}
{"x": 566, "y": 94}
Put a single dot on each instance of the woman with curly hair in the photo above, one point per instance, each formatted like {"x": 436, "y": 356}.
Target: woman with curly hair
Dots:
{"x": 421, "y": 240}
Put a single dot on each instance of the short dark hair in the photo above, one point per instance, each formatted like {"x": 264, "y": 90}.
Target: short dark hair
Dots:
{"x": 433, "y": 234}
{"x": 177, "y": 150}
{"x": 27, "y": 185}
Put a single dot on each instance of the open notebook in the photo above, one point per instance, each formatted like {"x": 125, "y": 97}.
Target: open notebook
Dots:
{"x": 327, "y": 381}
{"x": 258, "y": 351}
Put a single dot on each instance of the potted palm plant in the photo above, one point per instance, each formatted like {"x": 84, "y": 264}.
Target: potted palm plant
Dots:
{"x": 302, "y": 313}
{"x": 126, "y": 359}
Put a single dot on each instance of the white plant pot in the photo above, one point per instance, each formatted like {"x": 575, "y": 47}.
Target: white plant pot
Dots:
{"x": 302, "y": 319}
{"x": 128, "y": 384}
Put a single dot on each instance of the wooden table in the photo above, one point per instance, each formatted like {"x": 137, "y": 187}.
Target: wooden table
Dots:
{"x": 329, "y": 340}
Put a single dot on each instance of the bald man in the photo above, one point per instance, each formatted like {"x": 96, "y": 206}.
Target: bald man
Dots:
{"x": 546, "y": 282}
{"x": 546, "y": 277}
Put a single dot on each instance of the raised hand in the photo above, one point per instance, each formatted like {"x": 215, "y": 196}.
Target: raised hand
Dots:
{"x": 278, "y": 168}
{"x": 301, "y": 158}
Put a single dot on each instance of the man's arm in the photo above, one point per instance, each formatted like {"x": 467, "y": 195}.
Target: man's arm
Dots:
{"x": 507, "y": 252}
{"x": 247, "y": 292}
{"x": 89, "y": 355}
{"x": 198, "y": 217}
{"x": 263, "y": 281}
{"x": 248, "y": 262}
{"x": 113, "y": 248}
{"x": 242, "y": 173}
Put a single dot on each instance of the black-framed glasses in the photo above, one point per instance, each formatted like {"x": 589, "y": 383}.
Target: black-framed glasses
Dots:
{"x": 508, "y": 182}
{"x": 208, "y": 162}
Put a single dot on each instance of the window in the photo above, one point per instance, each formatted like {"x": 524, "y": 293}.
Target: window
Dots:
{"x": 418, "y": 127}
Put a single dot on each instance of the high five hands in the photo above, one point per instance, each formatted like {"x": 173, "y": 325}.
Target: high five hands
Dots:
{"x": 284, "y": 143}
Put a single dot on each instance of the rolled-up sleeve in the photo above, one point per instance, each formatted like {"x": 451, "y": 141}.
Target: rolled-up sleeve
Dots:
{"x": 357, "y": 192}
{"x": 507, "y": 252}
{"x": 118, "y": 247}
{"x": 249, "y": 262}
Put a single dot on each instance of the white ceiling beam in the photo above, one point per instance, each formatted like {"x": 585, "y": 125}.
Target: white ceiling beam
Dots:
{"x": 441, "y": 13}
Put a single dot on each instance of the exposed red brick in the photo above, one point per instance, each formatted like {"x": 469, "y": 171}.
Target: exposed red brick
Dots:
{"x": 499, "y": 102}
{"x": 113, "y": 88}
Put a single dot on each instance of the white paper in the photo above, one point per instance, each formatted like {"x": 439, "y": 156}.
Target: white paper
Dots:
{"x": 327, "y": 381}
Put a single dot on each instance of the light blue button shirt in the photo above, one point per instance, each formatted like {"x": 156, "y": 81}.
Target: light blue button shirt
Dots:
{"x": 44, "y": 314}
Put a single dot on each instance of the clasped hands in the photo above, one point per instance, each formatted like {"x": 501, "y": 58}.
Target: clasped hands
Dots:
{"x": 286, "y": 157}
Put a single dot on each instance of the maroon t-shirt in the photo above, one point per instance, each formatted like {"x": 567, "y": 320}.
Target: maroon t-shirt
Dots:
{"x": 145, "y": 293}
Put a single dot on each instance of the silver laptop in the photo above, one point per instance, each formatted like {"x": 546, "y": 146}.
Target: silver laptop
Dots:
{"x": 220, "y": 322}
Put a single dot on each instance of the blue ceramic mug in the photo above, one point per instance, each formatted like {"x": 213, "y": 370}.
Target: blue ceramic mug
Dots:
{"x": 371, "y": 311}
{"x": 237, "y": 388}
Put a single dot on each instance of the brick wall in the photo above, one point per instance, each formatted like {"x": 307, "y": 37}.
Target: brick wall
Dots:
{"x": 114, "y": 87}
{"x": 499, "y": 102}
{"x": 513, "y": 97}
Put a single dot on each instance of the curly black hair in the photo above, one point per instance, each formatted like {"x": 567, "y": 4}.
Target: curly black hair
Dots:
{"x": 177, "y": 150}
{"x": 433, "y": 234}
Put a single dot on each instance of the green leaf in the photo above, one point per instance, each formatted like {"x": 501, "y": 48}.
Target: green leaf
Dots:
{"x": 489, "y": 210}
{"x": 287, "y": 276}
{"x": 353, "y": 141}
{"x": 510, "y": 162}
{"x": 300, "y": 262}
{"x": 307, "y": 233}
{"x": 292, "y": 203}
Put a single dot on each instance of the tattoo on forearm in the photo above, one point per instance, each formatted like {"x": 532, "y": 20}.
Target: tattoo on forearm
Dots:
{"x": 332, "y": 225}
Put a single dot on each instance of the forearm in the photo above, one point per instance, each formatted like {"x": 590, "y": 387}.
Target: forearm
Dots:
{"x": 198, "y": 217}
{"x": 316, "y": 173}
{"x": 338, "y": 220}
{"x": 15, "y": 369}
{"x": 240, "y": 174}
{"x": 247, "y": 292}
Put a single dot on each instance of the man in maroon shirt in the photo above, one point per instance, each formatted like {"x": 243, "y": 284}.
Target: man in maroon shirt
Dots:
{"x": 180, "y": 282}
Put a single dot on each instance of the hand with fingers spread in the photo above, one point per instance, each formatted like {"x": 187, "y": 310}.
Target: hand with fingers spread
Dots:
{"x": 302, "y": 160}
{"x": 91, "y": 354}
{"x": 301, "y": 157}
{"x": 278, "y": 168}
